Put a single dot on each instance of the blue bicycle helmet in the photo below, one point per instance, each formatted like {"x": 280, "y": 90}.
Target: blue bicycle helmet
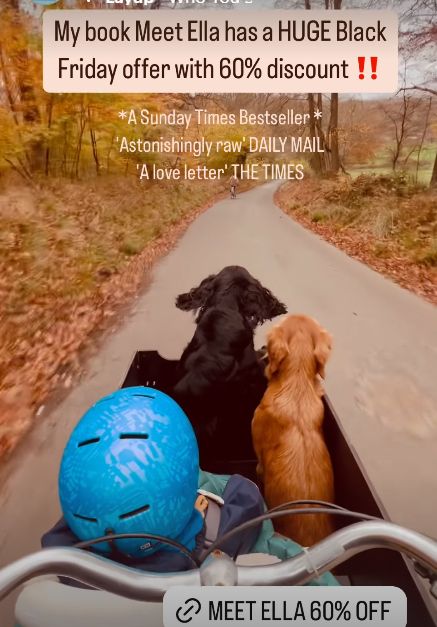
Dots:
{"x": 131, "y": 465}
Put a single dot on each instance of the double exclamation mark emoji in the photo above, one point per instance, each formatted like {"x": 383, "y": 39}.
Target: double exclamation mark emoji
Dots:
{"x": 362, "y": 63}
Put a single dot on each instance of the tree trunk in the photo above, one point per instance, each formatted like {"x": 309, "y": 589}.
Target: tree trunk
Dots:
{"x": 333, "y": 122}
{"x": 333, "y": 134}
{"x": 316, "y": 157}
{"x": 434, "y": 174}
{"x": 8, "y": 86}
{"x": 325, "y": 156}
{"x": 422, "y": 139}
{"x": 93, "y": 142}
{"x": 82, "y": 124}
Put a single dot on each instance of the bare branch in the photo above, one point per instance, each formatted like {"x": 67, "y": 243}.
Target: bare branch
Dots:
{"x": 419, "y": 88}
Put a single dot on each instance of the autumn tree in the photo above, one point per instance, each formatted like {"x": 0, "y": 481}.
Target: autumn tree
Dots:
{"x": 420, "y": 36}
{"x": 401, "y": 115}
{"x": 328, "y": 134}
{"x": 418, "y": 46}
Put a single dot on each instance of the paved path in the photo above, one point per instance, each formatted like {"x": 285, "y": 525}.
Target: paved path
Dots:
{"x": 382, "y": 378}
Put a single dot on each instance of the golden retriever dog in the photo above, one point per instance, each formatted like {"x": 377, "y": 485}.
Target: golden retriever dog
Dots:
{"x": 293, "y": 461}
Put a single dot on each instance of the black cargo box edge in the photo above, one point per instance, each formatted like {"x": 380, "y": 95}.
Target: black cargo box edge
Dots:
{"x": 352, "y": 487}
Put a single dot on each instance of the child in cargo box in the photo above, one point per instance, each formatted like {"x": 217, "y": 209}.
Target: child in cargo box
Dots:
{"x": 131, "y": 465}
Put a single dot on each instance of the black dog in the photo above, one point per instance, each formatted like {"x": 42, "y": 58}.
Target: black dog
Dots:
{"x": 220, "y": 378}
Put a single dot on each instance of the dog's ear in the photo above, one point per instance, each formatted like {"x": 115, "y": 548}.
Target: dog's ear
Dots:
{"x": 197, "y": 297}
{"x": 277, "y": 349}
{"x": 322, "y": 350}
{"x": 260, "y": 305}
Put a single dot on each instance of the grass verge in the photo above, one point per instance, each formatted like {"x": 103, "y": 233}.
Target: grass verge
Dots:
{"x": 385, "y": 221}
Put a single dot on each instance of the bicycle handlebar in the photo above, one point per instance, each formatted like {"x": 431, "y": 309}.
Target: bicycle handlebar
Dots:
{"x": 219, "y": 569}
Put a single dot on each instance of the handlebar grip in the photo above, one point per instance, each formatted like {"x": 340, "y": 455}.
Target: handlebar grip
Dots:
{"x": 94, "y": 571}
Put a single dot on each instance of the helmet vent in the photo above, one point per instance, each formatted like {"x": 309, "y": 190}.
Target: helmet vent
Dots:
{"x": 90, "y": 441}
{"x": 144, "y": 395}
{"x": 86, "y": 518}
{"x": 134, "y": 512}
{"x": 134, "y": 436}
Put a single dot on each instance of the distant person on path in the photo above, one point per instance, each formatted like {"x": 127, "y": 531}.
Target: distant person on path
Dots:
{"x": 234, "y": 183}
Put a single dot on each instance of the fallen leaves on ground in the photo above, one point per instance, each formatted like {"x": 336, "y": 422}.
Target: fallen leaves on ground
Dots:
{"x": 382, "y": 221}
{"x": 53, "y": 300}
